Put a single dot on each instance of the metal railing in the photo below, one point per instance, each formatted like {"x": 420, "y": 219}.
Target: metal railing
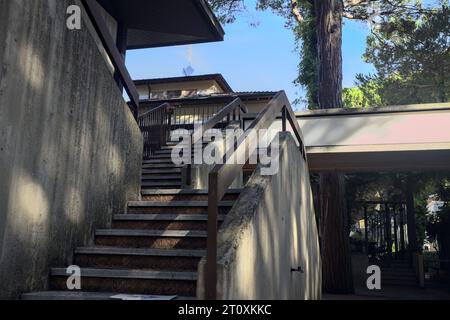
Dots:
{"x": 186, "y": 116}
{"x": 231, "y": 112}
{"x": 223, "y": 175}
{"x": 91, "y": 7}
{"x": 155, "y": 126}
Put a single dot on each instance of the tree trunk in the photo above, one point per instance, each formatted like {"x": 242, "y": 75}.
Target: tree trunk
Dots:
{"x": 329, "y": 46}
{"x": 334, "y": 231}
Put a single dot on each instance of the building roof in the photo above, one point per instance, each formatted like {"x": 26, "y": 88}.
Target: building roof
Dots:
{"x": 216, "y": 98}
{"x": 158, "y": 23}
{"x": 216, "y": 76}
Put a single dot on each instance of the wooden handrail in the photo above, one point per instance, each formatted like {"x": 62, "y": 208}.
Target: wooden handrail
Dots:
{"x": 223, "y": 175}
{"x": 225, "y": 112}
{"x": 165, "y": 105}
{"x": 91, "y": 7}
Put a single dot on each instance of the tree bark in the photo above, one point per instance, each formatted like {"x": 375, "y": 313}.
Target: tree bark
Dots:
{"x": 334, "y": 231}
{"x": 329, "y": 47}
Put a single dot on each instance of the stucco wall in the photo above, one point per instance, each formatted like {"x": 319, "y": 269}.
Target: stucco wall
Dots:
{"x": 270, "y": 230}
{"x": 70, "y": 150}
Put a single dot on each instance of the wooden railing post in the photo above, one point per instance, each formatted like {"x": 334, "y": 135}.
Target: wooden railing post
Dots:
{"x": 284, "y": 119}
{"x": 211, "y": 245}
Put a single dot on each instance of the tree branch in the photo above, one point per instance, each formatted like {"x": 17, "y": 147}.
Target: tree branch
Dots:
{"x": 295, "y": 11}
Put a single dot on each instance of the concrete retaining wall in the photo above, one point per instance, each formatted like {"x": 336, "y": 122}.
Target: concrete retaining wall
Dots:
{"x": 70, "y": 150}
{"x": 271, "y": 230}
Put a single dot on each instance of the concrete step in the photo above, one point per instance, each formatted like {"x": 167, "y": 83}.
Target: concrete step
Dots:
{"x": 171, "y": 145}
{"x": 151, "y": 239}
{"x": 410, "y": 273}
{"x": 398, "y": 276}
{"x": 86, "y": 296}
{"x": 162, "y": 221}
{"x": 184, "y": 195}
{"x": 175, "y": 207}
{"x": 129, "y": 281}
{"x": 161, "y": 171}
{"x": 159, "y": 156}
{"x": 153, "y": 166}
{"x": 163, "y": 177}
{"x": 400, "y": 283}
{"x": 67, "y": 295}
{"x": 161, "y": 184}
{"x": 167, "y": 160}
{"x": 166, "y": 150}
{"x": 133, "y": 258}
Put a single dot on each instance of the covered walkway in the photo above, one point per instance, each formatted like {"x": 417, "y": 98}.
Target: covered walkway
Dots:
{"x": 396, "y": 138}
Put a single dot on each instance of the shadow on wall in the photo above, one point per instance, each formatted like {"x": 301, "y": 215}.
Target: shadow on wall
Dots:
{"x": 270, "y": 231}
{"x": 70, "y": 150}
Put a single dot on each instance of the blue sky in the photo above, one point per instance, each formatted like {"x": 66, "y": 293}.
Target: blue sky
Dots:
{"x": 251, "y": 58}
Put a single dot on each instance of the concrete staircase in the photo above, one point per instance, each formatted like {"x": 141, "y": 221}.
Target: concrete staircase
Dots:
{"x": 398, "y": 273}
{"x": 152, "y": 249}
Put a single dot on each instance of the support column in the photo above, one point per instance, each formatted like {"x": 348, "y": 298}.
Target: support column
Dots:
{"x": 366, "y": 230}
{"x": 402, "y": 230}
{"x": 388, "y": 230}
{"x": 410, "y": 214}
{"x": 395, "y": 216}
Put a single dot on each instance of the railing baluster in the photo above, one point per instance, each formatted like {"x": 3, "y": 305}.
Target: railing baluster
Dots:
{"x": 155, "y": 128}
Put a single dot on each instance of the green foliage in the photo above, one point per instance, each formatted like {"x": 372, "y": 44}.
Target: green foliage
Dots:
{"x": 438, "y": 226}
{"x": 306, "y": 38}
{"x": 360, "y": 97}
{"x": 408, "y": 47}
{"x": 411, "y": 55}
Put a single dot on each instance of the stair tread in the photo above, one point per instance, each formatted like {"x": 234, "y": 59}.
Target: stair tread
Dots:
{"x": 161, "y": 166}
{"x": 177, "y": 204}
{"x": 161, "y": 171}
{"x": 140, "y": 252}
{"x": 159, "y": 156}
{"x": 85, "y": 295}
{"x": 67, "y": 295}
{"x": 163, "y": 217}
{"x": 183, "y": 191}
{"x": 153, "y": 176}
{"x": 129, "y": 274}
{"x": 161, "y": 183}
{"x": 159, "y": 161}
{"x": 151, "y": 233}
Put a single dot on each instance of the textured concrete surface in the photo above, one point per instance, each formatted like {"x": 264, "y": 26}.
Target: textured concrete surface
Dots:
{"x": 70, "y": 150}
{"x": 271, "y": 230}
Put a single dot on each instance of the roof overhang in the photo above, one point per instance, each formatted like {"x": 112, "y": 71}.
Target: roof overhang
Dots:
{"x": 215, "y": 77}
{"x": 159, "y": 23}
{"x": 397, "y": 138}
{"x": 216, "y": 98}
{"x": 388, "y": 139}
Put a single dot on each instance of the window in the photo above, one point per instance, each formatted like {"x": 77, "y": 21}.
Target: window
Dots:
{"x": 173, "y": 94}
